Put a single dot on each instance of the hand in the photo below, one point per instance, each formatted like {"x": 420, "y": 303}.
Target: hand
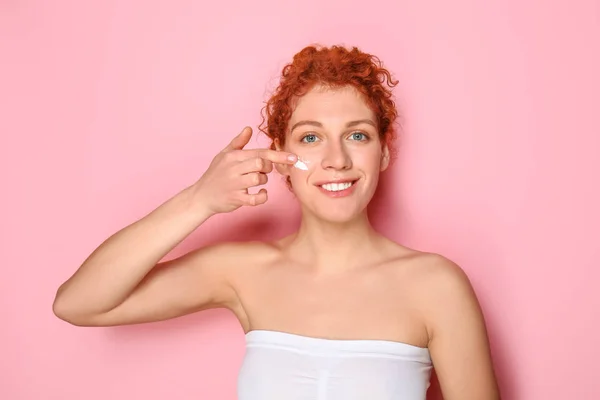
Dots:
{"x": 224, "y": 186}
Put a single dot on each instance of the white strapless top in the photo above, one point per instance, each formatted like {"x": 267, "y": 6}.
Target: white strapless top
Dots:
{"x": 285, "y": 366}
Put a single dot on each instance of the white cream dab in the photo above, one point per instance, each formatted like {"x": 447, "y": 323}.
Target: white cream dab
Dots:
{"x": 301, "y": 165}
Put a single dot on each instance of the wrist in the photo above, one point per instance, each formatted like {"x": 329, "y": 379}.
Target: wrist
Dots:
{"x": 196, "y": 203}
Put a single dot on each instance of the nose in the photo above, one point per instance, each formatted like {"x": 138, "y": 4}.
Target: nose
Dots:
{"x": 336, "y": 157}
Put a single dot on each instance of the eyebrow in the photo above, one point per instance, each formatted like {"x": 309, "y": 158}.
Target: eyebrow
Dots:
{"x": 320, "y": 125}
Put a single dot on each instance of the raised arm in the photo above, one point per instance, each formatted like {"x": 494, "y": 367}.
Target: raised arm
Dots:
{"x": 123, "y": 280}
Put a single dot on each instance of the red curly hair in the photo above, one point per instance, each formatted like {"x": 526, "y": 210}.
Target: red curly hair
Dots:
{"x": 333, "y": 66}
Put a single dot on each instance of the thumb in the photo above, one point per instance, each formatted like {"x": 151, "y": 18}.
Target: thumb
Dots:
{"x": 242, "y": 139}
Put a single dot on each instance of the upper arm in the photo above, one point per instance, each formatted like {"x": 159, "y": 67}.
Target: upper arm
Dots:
{"x": 459, "y": 343}
{"x": 195, "y": 281}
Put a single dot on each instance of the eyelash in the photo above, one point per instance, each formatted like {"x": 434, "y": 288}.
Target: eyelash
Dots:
{"x": 366, "y": 137}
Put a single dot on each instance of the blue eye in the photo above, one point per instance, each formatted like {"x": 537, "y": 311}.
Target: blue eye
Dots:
{"x": 358, "y": 136}
{"x": 310, "y": 138}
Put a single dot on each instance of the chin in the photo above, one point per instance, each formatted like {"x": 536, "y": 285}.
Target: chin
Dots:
{"x": 336, "y": 212}
{"x": 336, "y": 215}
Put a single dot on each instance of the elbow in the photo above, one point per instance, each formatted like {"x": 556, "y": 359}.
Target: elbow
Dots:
{"x": 62, "y": 310}
{"x": 66, "y": 311}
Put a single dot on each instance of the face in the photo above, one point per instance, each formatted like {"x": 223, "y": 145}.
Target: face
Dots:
{"x": 335, "y": 133}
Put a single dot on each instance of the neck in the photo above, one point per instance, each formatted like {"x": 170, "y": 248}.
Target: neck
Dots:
{"x": 332, "y": 247}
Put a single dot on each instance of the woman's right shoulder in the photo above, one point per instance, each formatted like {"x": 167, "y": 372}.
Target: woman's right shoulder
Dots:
{"x": 242, "y": 252}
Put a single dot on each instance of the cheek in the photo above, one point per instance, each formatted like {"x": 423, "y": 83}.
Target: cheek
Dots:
{"x": 311, "y": 156}
{"x": 308, "y": 159}
{"x": 369, "y": 162}
{"x": 299, "y": 177}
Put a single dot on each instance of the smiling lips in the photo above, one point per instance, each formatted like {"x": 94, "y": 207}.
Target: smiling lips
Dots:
{"x": 340, "y": 188}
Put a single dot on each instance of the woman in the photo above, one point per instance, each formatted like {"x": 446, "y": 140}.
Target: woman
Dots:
{"x": 333, "y": 311}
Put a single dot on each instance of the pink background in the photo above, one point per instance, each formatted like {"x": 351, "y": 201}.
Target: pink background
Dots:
{"x": 109, "y": 108}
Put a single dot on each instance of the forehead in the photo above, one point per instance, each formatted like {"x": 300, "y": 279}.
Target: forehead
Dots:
{"x": 325, "y": 104}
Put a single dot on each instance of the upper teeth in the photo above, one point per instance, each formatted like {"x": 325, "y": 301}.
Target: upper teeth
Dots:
{"x": 334, "y": 187}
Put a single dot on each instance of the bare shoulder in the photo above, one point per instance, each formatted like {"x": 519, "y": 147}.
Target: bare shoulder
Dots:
{"x": 224, "y": 262}
{"x": 236, "y": 253}
{"x": 439, "y": 287}
{"x": 455, "y": 323}
{"x": 433, "y": 274}
{"x": 237, "y": 261}
{"x": 440, "y": 275}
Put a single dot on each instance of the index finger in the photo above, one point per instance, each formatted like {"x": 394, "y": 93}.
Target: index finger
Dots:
{"x": 276, "y": 156}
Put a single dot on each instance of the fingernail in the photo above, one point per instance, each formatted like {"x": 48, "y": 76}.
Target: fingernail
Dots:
{"x": 292, "y": 158}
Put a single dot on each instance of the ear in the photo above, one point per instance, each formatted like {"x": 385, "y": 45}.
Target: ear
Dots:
{"x": 385, "y": 157}
{"x": 282, "y": 169}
